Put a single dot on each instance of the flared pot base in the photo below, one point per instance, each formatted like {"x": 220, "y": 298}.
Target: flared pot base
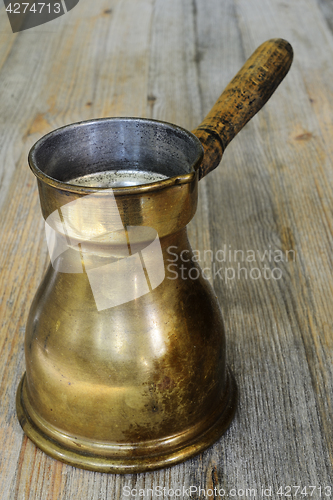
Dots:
{"x": 131, "y": 463}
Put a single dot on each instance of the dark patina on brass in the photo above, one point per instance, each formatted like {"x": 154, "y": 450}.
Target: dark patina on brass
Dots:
{"x": 144, "y": 384}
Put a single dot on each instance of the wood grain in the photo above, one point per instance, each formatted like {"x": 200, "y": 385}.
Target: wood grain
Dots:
{"x": 243, "y": 97}
{"x": 170, "y": 60}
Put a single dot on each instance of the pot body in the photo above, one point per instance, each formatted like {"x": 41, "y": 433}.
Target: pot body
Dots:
{"x": 125, "y": 346}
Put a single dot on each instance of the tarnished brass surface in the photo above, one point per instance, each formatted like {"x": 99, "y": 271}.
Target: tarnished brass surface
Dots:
{"x": 136, "y": 386}
{"x": 128, "y": 458}
{"x": 130, "y": 384}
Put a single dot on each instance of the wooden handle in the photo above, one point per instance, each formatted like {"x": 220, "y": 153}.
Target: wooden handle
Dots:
{"x": 243, "y": 98}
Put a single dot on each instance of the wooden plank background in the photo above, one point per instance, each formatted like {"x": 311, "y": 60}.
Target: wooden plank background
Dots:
{"x": 170, "y": 60}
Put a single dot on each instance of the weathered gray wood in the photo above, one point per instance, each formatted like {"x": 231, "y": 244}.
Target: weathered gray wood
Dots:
{"x": 170, "y": 60}
{"x": 327, "y": 9}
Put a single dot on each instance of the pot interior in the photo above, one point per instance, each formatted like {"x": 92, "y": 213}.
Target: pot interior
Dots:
{"x": 116, "y": 152}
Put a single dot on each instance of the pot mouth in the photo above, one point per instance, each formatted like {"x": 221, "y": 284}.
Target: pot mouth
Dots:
{"x": 116, "y": 145}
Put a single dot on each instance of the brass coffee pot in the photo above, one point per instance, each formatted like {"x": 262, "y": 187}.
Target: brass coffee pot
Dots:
{"x": 125, "y": 359}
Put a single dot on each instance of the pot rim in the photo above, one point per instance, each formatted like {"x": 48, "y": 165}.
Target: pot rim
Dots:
{"x": 124, "y": 190}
